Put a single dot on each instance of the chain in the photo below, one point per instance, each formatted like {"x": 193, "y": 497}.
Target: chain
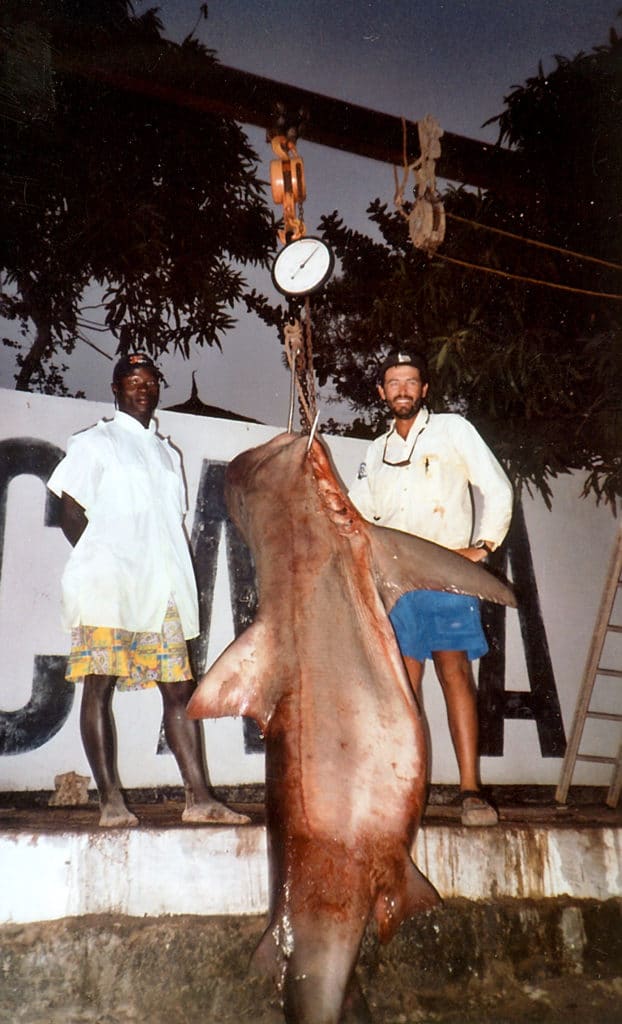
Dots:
{"x": 288, "y": 187}
{"x": 299, "y": 353}
{"x": 311, "y": 389}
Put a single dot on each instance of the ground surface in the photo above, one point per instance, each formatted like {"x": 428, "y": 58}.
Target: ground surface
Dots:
{"x": 107, "y": 970}
{"x": 162, "y": 808}
{"x": 504, "y": 962}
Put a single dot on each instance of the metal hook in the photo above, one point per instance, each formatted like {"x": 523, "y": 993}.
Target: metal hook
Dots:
{"x": 313, "y": 429}
{"x": 292, "y": 393}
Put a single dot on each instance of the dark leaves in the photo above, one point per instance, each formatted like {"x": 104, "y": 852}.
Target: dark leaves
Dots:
{"x": 156, "y": 202}
{"x": 537, "y": 371}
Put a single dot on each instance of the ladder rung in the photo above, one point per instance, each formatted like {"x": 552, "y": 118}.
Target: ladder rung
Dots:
{"x": 596, "y": 759}
{"x": 602, "y": 627}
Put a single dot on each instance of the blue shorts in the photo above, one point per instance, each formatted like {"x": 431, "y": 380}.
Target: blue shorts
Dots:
{"x": 433, "y": 620}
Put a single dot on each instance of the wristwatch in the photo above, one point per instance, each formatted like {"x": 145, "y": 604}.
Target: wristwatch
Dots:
{"x": 482, "y": 544}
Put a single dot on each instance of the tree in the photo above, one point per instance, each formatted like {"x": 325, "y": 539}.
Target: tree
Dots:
{"x": 537, "y": 369}
{"x": 158, "y": 205}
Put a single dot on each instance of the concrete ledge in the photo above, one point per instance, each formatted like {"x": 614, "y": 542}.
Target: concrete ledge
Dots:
{"x": 207, "y": 871}
{"x": 521, "y": 861}
{"x": 154, "y": 870}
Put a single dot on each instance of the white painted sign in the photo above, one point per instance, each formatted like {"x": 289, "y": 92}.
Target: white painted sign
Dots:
{"x": 529, "y": 684}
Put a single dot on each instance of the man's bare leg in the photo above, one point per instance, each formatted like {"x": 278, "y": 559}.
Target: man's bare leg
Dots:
{"x": 184, "y": 738}
{"x": 99, "y": 741}
{"x": 414, "y": 669}
{"x": 456, "y": 678}
{"x": 454, "y": 674}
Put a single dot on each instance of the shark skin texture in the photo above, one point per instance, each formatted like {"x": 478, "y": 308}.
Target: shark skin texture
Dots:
{"x": 320, "y": 671}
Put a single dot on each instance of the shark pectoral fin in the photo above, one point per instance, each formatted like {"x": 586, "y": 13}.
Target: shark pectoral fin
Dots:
{"x": 240, "y": 682}
{"x": 403, "y": 562}
{"x": 416, "y": 896}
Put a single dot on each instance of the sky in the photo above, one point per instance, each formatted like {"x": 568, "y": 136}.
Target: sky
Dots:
{"x": 453, "y": 59}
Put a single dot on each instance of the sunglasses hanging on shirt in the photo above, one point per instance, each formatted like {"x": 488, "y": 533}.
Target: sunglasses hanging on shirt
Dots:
{"x": 403, "y": 462}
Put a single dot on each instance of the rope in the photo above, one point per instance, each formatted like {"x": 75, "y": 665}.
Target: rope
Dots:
{"x": 298, "y": 350}
{"x": 528, "y": 280}
{"x": 426, "y": 219}
{"x": 533, "y": 241}
{"x": 310, "y": 387}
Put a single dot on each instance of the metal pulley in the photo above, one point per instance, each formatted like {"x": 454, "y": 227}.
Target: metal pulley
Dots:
{"x": 301, "y": 267}
{"x": 287, "y": 180}
{"x": 426, "y": 223}
{"x": 426, "y": 219}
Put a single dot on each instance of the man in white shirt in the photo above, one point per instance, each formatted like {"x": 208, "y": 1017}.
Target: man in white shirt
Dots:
{"x": 129, "y": 594}
{"x": 417, "y": 478}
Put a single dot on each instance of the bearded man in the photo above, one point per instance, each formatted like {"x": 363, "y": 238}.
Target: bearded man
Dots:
{"x": 417, "y": 477}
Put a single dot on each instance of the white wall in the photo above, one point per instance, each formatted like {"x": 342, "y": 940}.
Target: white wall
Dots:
{"x": 571, "y": 547}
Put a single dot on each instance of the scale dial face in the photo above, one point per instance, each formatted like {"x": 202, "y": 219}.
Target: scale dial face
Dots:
{"x": 302, "y": 266}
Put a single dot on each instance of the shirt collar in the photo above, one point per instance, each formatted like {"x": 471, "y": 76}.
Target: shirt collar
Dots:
{"x": 420, "y": 421}
{"x": 132, "y": 424}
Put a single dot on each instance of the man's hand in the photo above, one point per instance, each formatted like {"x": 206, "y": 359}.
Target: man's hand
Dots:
{"x": 473, "y": 553}
{"x": 72, "y": 519}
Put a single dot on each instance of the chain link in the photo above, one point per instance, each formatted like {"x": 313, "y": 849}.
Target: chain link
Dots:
{"x": 299, "y": 353}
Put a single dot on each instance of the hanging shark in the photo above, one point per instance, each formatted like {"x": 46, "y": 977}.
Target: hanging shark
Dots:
{"x": 320, "y": 671}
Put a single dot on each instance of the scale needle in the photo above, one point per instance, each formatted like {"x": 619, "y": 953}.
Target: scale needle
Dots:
{"x": 304, "y": 262}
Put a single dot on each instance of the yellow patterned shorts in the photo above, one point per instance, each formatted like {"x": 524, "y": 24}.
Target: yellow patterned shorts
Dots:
{"x": 139, "y": 660}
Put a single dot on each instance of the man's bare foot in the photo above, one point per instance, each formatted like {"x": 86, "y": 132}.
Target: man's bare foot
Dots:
{"x": 114, "y": 813}
{"x": 212, "y": 812}
{"x": 110, "y": 818}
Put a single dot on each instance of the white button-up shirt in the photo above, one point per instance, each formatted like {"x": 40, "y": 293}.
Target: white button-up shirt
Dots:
{"x": 133, "y": 554}
{"x": 430, "y": 496}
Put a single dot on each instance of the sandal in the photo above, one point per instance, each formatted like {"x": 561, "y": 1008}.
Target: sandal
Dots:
{"x": 476, "y": 810}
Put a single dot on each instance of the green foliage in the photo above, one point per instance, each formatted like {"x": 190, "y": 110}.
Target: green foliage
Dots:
{"x": 537, "y": 370}
{"x": 157, "y": 203}
{"x": 569, "y": 125}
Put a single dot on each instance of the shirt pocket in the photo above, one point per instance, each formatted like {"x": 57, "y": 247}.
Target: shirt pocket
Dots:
{"x": 429, "y": 467}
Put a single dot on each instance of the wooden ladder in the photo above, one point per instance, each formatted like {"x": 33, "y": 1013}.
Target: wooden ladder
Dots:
{"x": 592, "y": 670}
